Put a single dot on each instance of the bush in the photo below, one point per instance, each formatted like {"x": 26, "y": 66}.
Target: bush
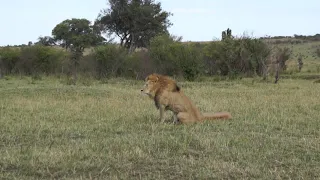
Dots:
{"x": 108, "y": 60}
{"x": 31, "y": 59}
{"x": 189, "y": 60}
{"x": 231, "y": 57}
{"x": 9, "y": 56}
{"x": 243, "y": 56}
{"x": 138, "y": 65}
{"x": 282, "y": 55}
{"x": 175, "y": 58}
{"x": 41, "y": 59}
{"x": 160, "y": 50}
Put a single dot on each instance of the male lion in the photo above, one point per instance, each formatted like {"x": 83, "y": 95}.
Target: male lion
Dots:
{"x": 168, "y": 95}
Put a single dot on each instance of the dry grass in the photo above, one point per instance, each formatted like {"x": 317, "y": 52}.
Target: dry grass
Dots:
{"x": 109, "y": 131}
{"x": 309, "y": 57}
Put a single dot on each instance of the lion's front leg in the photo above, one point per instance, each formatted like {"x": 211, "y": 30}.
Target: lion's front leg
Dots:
{"x": 161, "y": 108}
{"x": 175, "y": 118}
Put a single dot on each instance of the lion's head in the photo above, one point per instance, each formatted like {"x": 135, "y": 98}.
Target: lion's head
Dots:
{"x": 151, "y": 84}
{"x": 155, "y": 83}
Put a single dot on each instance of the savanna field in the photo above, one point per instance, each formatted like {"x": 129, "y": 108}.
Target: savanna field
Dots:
{"x": 71, "y": 106}
{"x": 108, "y": 130}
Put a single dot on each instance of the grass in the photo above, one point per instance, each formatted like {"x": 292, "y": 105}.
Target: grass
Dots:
{"x": 309, "y": 57}
{"x": 109, "y": 131}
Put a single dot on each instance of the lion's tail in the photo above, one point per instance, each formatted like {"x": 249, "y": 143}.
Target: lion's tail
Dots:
{"x": 218, "y": 115}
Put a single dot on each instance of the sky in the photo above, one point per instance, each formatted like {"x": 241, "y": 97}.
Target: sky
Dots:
{"x": 200, "y": 20}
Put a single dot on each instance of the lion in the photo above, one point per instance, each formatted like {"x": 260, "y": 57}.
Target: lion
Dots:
{"x": 167, "y": 95}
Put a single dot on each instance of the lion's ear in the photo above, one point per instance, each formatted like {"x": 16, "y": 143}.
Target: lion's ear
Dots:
{"x": 153, "y": 78}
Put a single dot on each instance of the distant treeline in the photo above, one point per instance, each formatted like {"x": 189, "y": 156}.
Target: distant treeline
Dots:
{"x": 295, "y": 39}
{"x": 232, "y": 57}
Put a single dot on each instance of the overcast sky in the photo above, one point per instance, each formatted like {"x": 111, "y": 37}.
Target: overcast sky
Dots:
{"x": 26, "y": 20}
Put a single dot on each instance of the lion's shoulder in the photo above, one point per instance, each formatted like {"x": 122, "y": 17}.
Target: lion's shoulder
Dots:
{"x": 168, "y": 84}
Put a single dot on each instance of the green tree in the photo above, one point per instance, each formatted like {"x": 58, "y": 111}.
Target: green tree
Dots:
{"x": 135, "y": 22}
{"x": 76, "y": 35}
{"x": 46, "y": 41}
{"x": 282, "y": 55}
{"x": 226, "y": 34}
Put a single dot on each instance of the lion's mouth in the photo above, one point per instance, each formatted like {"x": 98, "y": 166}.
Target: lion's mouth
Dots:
{"x": 144, "y": 92}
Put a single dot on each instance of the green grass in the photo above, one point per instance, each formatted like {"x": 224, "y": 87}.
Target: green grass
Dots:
{"x": 309, "y": 57}
{"x": 110, "y": 131}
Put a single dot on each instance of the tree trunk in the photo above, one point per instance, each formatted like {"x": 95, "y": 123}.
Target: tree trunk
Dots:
{"x": 77, "y": 54}
{"x": 132, "y": 44}
{"x": 265, "y": 72}
{"x": 277, "y": 74}
{"x": 121, "y": 42}
{"x": 75, "y": 75}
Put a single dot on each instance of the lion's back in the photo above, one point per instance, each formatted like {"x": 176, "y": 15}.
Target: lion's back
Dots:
{"x": 168, "y": 84}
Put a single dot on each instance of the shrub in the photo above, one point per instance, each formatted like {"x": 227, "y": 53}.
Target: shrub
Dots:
{"x": 282, "y": 55}
{"x": 175, "y": 58}
{"x": 87, "y": 65}
{"x": 160, "y": 52}
{"x": 9, "y": 56}
{"x": 243, "y": 56}
{"x": 189, "y": 60}
{"x": 40, "y": 59}
{"x": 108, "y": 60}
{"x": 138, "y": 65}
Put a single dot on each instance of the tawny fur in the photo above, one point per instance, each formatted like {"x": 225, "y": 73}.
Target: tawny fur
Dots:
{"x": 168, "y": 95}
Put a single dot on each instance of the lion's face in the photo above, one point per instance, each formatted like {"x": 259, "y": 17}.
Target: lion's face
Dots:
{"x": 150, "y": 85}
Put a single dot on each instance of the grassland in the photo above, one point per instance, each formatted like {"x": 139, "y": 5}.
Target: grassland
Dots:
{"x": 110, "y": 131}
{"x": 309, "y": 57}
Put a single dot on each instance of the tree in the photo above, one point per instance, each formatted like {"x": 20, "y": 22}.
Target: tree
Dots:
{"x": 229, "y": 32}
{"x": 135, "y": 22}
{"x": 282, "y": 55}
{"x": 76, "y": 35}
{"x": 300, "y": 62}
{"x": 226, "y": 34}
{"x": 46, "y": 41}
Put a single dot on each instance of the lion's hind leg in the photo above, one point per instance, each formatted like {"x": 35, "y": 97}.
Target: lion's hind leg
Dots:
{"x": 184, "y": 118}
{"x": 175, "y": 118}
